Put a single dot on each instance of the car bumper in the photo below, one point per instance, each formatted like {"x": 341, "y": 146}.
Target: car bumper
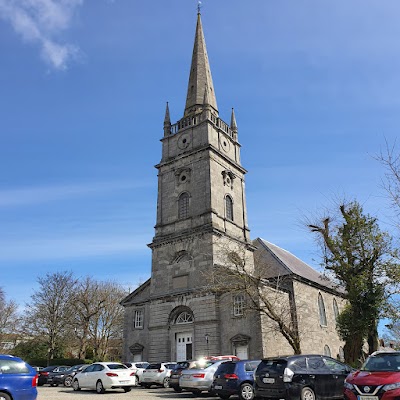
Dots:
{"x": 389, "y": 395}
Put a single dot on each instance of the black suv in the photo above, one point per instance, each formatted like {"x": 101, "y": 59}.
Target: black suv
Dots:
{"x": 304, "y": 377}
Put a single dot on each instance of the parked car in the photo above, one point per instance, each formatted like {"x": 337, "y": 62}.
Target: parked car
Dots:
{"x": 137, "y": 368}
{"x": 176, "y": 374}
{"x": 18, "y": 380}
{"x": 64, "y": 377}
{"x": 199, "y": 378}
{"x": 235, "y": 378}
{"x": 157, "y": 374}
{"x": 378, "y": 378}
{"x": 101, "y": 376}
{"x": 44, "y": 373}
{"x": 305, "y": 377}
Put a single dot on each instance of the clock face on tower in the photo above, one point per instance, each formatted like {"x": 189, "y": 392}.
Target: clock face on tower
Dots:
{"x": 184, "y": 141}
{"x": 224, "y": 143}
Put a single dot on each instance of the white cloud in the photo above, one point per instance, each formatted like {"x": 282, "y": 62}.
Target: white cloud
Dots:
{"x": 44, "y": 194}
{"x": 41, "y": 21}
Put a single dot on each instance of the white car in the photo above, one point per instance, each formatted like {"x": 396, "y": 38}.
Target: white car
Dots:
{"x": 104, "y": 375}
{"x": 137, "y": 368}
{"x": 157, "y": 374}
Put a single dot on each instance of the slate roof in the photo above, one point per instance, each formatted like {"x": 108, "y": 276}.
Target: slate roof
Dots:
{"x": 294, "y": 265}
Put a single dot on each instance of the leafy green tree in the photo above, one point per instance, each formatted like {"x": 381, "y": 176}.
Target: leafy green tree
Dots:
{"x": 360, "y": 257}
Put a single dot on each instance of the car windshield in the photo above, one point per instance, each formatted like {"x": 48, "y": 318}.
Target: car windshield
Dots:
{"x": 116, "y": 366}
{"x": 382, "y": 362}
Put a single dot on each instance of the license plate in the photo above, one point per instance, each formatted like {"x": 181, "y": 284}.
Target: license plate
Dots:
{"x": 185, "y": 377}
{"x": 272, "y": 380}
{"x": 217, "y": 387}
{"x": 367, "y": 397}
{"x": 123, "y": 381}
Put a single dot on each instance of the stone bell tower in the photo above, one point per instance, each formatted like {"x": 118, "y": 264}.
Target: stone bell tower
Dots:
{"x": 201, "y": 203}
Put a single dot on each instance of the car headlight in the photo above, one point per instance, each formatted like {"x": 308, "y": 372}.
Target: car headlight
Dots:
{"x": 348, "y": 385}
{"x": 392, "y": 386}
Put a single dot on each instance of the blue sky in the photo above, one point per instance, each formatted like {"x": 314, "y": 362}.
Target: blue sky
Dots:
{"x": 315, "y": 86}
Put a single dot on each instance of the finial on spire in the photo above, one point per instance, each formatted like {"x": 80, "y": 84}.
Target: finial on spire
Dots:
{"x": 198, "y": 7}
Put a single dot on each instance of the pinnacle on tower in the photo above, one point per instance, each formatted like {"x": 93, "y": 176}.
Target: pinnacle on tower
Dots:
{"x": 167, "y": 121}
{"x": 200, "y": 75}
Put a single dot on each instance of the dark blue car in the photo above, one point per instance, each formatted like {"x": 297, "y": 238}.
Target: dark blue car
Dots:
{"x": 18, "y": 380}
{"x": 235, "y": 378}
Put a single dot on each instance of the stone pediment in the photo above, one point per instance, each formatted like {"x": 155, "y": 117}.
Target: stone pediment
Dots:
{"x": 240, "y": 339}
{"x": 136, "y": 348}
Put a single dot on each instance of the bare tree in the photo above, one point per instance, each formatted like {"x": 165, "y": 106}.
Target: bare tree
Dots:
{"x": 390, "y": 159}
{"x": 238, "y": 272}
{"x": 89, "y": 300}
{"x": 50, "y": 312}
{"x": 9, "y": 317}
{"x": 107, "y": 325}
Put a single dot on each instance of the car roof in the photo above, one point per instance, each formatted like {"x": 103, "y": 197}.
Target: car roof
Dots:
{"x": 9, "y": 357}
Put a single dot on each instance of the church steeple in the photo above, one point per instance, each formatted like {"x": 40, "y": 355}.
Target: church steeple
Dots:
{"x": 200, "y": 76}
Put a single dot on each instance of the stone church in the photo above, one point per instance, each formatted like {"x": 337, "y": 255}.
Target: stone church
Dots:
{"x": 201, "y": 205}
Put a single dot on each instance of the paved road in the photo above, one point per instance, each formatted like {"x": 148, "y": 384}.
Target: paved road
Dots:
{"x": 63, "y": 393}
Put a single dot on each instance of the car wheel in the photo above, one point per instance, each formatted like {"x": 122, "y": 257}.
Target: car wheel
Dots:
{"x": 147, "y": 386}
{"x": 127, "y": 389}
{"x": 196, "y": 392}
{"x": 135, "y": 380}
{"x": 68, "y": 381}
{"x": 99, "y": 387}
{"x": 4, "y": 396}
{"x": 246, "y": 392}
{"x": 177, "y": 389}
{"x": 224, "y": 396}
{"x": 53, "y": 384}
{"x": 307, "y": 394}
{"x": 75, "y": 385}
{"x": 166, "y": 382}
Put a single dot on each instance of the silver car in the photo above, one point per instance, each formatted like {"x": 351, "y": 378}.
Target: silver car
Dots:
{"x": 200, "y": 378}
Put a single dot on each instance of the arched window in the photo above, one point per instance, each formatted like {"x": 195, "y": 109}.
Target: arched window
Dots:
{"x": 327, "y": 351}
{"x": 341, "y": 354}
{"x": 183, "y": 206}
{"x": 184, "y": 318}
{"x": 229, "y": 207}
{"x": 321, "y": 308}
{"x": 335, "y": 309}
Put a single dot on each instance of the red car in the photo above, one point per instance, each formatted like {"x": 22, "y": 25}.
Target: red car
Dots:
{"x": 378, "y": 378}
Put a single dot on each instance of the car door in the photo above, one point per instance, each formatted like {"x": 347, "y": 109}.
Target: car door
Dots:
{"x": 84, "y": 377}
{"x": 96, "y": 374}
{"x": 339, "y": 374}
{"x": 320, "y": 377}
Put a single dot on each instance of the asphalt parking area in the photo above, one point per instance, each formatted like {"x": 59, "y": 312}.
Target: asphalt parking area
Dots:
{"x": 64, "y": 393}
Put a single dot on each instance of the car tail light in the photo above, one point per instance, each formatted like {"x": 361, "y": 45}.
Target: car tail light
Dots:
{"x": 44, "y": 373}
{"x": 133, "y": 373}
{"x": 160, "y": 370}
{"x": 288, "y": 375}
{"x": 34, "y": 381}
{"x": 199, "y": 375}
{"x": 111, "y": 374}
{"x": 231, "y": 376}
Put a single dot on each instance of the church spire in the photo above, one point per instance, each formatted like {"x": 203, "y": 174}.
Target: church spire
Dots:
{"x": 200, "y": 75}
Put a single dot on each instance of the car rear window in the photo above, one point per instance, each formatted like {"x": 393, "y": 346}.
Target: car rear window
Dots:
{"x": 154, "y": 366}
{"x": 13, "y": 367}
{"x": 117, "y": 366}
{"x": 277, "y": 366}
{"x": 226, "y": 368}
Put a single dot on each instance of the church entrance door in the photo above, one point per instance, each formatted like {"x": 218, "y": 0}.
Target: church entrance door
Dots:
{"x": 184, "y": 346}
